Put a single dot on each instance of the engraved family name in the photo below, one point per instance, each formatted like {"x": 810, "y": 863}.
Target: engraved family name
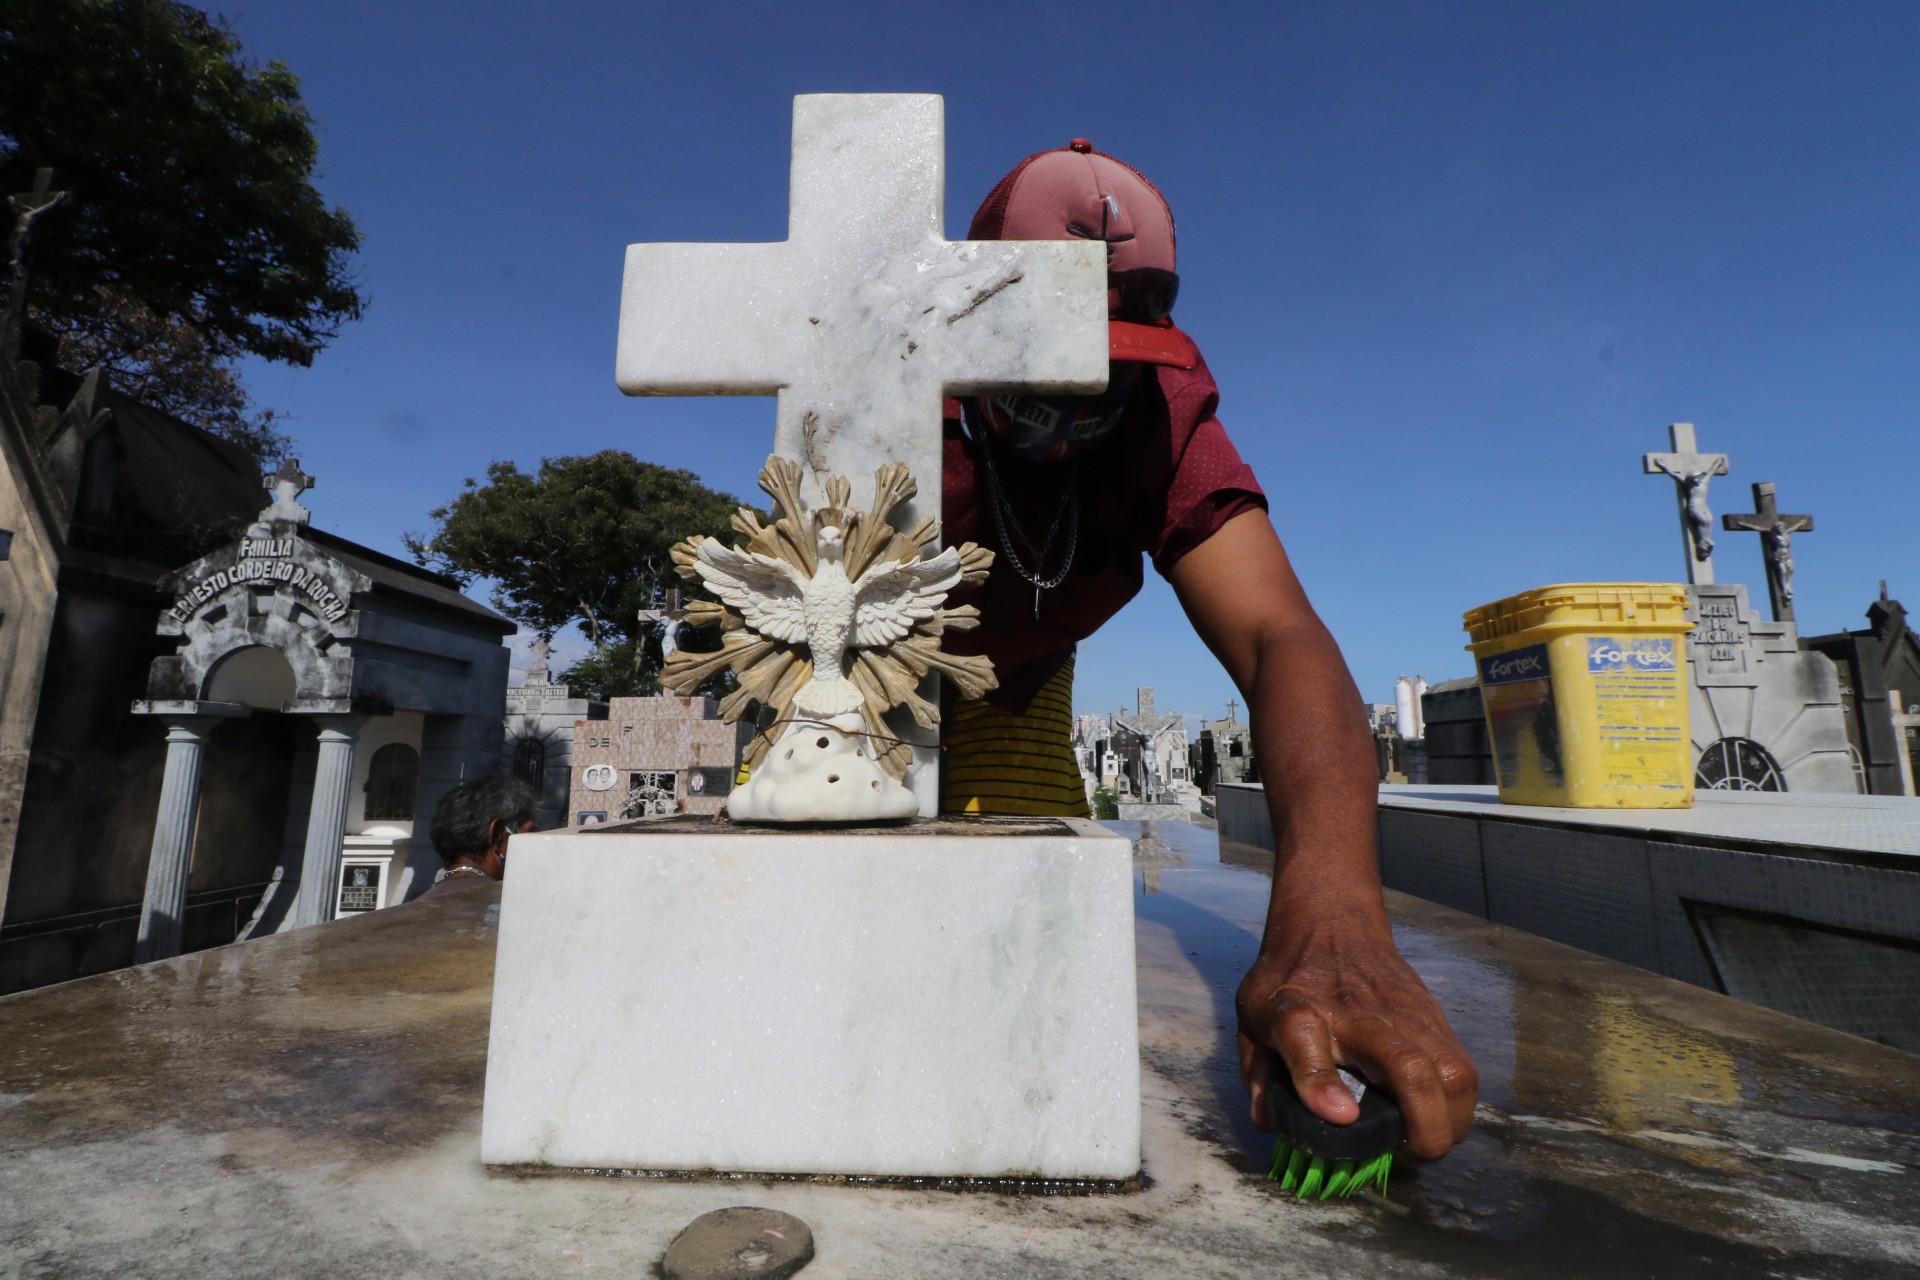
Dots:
{"x": 263, "y": 560}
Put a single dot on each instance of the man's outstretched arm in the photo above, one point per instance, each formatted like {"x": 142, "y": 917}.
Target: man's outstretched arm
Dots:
{"x": 1329, "y": 988}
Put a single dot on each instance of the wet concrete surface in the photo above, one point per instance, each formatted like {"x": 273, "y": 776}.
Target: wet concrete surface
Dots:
{"x": 309, "y": 1105}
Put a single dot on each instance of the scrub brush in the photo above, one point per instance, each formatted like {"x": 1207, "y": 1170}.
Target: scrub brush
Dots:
{"x": 1317, "y": 1160}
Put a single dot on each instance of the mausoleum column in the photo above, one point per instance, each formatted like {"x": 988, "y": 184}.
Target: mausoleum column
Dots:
{"x": 326, "y": 822}
{"x": 164, "y": 908}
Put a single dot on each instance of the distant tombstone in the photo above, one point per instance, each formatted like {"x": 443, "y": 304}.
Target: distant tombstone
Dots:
{"x": 644, "y": 761}
{"x": 1765, "y": 715}
{"x": 361, "y": 887}
{"x": 537, "y": 668}
{"x": 539, "y": 741}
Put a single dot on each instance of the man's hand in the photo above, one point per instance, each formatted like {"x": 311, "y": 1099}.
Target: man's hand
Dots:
{"x": 1329, "y": 989}
{"x": 1340, "y": 994}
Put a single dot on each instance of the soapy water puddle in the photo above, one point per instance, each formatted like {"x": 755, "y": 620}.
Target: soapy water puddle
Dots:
{"x": 1519, "y": 1195}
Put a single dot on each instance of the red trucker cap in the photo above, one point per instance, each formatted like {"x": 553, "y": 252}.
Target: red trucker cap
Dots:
{"x": 1077, "y": 192}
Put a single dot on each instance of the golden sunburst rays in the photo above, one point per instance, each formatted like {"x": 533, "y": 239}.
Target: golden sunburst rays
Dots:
{"x": 772, "y": 671}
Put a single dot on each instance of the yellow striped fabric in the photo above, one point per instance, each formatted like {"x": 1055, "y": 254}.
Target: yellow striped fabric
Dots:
{"x": 1017, "y": 763}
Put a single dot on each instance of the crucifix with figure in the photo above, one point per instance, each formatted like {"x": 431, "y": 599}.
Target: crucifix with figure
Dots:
{"x": 866, "y": 316}
{"x": 27, "y": 208}
{"x": 1691, "y": 471}
{"x": 1776, "y": 536}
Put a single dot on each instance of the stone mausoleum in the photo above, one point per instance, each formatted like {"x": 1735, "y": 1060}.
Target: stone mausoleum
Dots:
{"x": 216, "y": 721}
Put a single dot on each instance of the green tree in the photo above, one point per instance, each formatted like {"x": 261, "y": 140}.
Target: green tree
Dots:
{"x": 621, "y": 670}
{"x": 587, "y": 540}
{"x": 194, "y": 234}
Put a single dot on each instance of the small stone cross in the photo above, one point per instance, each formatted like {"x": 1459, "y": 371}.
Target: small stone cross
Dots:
{"x": 1691, "y": 472}
{"x": 537, "y": 667}
{"x": 866, "y": 316}
{"x": 1233, "y": 705}
{"x": 286, "y": 485}
{"x": 1776, "y": 536}
{"x": 27, "y": 207}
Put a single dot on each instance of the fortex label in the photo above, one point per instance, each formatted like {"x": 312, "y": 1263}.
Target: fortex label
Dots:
{"x": 1636, "y": 653}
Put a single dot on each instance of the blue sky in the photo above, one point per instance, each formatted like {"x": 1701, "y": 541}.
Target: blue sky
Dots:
{"x": 1455, "y": 266}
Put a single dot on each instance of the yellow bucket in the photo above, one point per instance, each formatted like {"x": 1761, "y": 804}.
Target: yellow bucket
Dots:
{"x": 1585, "y": 694}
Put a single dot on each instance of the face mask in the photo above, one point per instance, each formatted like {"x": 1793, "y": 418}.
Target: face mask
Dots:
{"x": 1052, "y": 428}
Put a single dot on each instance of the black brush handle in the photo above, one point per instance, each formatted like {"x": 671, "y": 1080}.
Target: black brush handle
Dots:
{"x": 1379, "y": 1129}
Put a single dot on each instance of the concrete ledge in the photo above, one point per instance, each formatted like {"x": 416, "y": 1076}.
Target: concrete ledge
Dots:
{"x": 1809, "y": 904}
{"x": 893, "y": 1003}
{"x": 1241, "y": 810}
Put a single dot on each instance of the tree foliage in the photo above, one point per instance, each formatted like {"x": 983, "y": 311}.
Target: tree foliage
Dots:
{"x": 621, "y": 670}
{"x": 587, "y": 540}
{"x": 194, "y": 234}
{"x": 168, "y": 365}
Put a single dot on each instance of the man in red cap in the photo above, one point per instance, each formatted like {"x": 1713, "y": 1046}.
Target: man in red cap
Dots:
{"x": 1072, "y": 492}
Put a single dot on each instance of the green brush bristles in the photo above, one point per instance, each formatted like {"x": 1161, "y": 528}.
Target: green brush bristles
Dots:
{"x": 1316, "y": 1177}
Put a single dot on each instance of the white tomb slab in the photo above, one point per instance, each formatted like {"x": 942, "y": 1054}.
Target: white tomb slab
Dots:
{"x": 893, "y": 1003}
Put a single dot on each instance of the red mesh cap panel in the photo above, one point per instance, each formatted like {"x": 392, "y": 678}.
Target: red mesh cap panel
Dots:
{"x": 1076, "y": 191}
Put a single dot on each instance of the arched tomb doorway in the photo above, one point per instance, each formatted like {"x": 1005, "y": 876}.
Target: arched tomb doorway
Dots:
{"x": 393, "y": 682}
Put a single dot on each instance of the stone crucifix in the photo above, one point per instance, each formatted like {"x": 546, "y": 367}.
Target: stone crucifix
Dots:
{"x": 286, "y": 485}
{"x": 27, "y": 208}
{"x": 1691, "y": 472}
{"x": 1776, "y": 536}
{"x": 866, "y": 316}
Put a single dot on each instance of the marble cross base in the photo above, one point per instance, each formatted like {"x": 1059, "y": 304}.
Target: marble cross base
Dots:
{"x": 950, "y": 999}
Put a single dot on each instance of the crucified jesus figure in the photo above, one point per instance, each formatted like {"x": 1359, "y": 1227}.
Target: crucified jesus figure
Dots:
{"x": 1693, "y": 499}
{"x": 1779, "y": 545}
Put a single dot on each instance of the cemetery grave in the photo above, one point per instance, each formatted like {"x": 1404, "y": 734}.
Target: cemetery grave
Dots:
{"x": 310, "y": 1105}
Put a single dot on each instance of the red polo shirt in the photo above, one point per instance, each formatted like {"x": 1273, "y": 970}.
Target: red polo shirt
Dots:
{"x": 1161, "y": 483}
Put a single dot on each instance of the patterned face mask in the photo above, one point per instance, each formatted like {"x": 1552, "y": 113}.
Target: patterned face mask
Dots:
{"x": 1052, "y": 428}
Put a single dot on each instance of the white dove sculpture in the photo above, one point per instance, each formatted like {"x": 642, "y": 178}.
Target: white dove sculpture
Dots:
{"x": 828, "y": 612}
{"x": 829, "y": 619}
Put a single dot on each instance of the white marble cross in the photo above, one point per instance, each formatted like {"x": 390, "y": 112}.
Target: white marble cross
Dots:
{"x": 866, "y": 315}
{"x": 1691, "y": 472}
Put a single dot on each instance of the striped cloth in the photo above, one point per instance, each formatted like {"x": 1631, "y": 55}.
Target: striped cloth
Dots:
{"x": 1018, "y": 763}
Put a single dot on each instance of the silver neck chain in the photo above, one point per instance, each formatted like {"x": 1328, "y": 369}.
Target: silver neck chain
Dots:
{"x": 1008, "y": 526}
